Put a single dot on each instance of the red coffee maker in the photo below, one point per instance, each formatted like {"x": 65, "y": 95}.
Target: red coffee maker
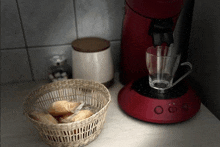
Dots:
{"x": 140, "y": 18}
{"x": 152, "y": 23}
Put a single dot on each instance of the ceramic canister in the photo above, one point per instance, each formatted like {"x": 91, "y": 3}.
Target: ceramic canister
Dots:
{"x": 92, "y": 60}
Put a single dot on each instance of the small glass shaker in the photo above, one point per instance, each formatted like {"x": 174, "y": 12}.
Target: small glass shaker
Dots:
{"x": 59, "y": 70}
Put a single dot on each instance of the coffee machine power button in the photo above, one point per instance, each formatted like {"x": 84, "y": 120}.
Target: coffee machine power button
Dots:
{"x": 158, "y": 110}
{"x": 172, "y": 109}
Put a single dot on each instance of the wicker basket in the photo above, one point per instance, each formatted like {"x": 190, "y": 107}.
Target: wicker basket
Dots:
{"x": 76, "y": 133}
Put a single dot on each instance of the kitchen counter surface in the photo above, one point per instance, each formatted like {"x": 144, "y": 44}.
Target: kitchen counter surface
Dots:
{"x": 120, "y": 130}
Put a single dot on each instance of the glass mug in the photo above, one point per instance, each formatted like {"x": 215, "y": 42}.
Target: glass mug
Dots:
{"x": 162, "y": 65}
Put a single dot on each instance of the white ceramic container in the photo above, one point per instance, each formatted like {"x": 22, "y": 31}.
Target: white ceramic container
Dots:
{"x": 92, "y": 60}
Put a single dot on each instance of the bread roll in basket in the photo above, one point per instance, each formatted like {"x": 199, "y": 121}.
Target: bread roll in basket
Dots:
{"x": 71, "y": 134}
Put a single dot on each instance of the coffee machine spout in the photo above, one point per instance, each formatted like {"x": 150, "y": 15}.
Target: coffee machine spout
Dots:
{"x": 161, "y": 31}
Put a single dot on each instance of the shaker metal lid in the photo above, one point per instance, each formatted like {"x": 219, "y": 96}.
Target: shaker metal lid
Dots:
{"x": 90, "y": 44}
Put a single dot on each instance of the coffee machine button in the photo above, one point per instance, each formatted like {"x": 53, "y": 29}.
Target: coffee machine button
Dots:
{"x": 158, "y": 110}
{"x": 172, "y": 109}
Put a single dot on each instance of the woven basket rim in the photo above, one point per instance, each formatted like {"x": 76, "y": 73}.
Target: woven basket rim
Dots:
{"x": 70, "y": 123}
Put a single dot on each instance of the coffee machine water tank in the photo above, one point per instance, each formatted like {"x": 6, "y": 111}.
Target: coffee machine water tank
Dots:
{"x": 137, "y": 36}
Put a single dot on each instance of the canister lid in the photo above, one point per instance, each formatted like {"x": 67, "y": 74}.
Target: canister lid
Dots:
{"x": 90, "y": 44}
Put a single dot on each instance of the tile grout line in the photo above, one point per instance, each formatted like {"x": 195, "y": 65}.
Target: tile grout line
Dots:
{"x": 14, "y": 48}
{"x": 76, "y": 26}
{"x": 119, "y": 40}
{"x": 49, "y": 45}
{"x": 35, "y": 46}
{"x": 54, "y": 45}
{"x": 25, "y": 42}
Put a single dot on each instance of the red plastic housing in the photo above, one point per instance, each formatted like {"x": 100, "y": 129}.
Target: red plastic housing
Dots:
{"x": 135, "y": 35}
{"x": 159, "y": 9}
{"x": 159, "y": 110}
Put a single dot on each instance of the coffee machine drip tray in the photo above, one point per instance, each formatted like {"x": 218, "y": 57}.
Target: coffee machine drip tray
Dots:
{"x": 176, "y": 104}
{"x": 142, "y": 87}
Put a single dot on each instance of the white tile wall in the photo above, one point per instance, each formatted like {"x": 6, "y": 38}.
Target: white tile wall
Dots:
{"x": 49, "y": 27}
{"x": 48, "y": 22}
{"x": 102, "y": 18}
{"x": 115, "y": 50}
{"x": 15, "y": 66}
{"x": 11, "y": 32}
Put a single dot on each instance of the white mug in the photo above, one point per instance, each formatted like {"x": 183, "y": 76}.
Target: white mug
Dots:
{"x": 92, "y": 60}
